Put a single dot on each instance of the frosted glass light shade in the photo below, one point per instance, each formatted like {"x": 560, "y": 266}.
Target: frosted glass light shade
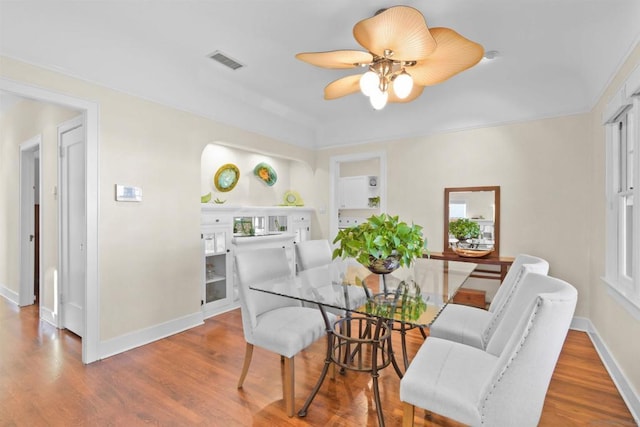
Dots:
{"x": 369, "y": 82}
{"x": 402, "y": 85}
{"x": 378, "y": 99}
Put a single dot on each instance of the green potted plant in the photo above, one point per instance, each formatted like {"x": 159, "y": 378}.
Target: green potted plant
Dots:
{"x": 463, "y": 229}
{"x": 382, "y": 243}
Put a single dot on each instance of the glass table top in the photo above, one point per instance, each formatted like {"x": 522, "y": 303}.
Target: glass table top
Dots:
{"x": 413, "y": 295}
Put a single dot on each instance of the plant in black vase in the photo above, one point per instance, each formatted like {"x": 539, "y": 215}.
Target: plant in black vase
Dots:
{"x": 382, "y": 243}
{"x": 463, "y": 229}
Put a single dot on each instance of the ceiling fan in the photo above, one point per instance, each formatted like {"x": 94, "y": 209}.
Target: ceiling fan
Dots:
{"x": 403, "y": 56}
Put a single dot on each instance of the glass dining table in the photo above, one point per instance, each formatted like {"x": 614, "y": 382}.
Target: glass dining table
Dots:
{"x": 370, "y": 307}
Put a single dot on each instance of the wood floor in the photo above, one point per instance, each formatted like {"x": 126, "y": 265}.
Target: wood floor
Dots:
{"x": 189, "y": 379}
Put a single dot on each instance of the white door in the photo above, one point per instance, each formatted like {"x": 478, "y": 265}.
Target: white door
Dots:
{"x": 72, "y": 227}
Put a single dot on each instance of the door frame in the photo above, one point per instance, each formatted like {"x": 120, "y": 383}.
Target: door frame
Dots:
{"x": 90, "y": 113}
{"x": 63, "y": 127}
{"x": 28, "y": 150}
{"x": 334, "y": 177}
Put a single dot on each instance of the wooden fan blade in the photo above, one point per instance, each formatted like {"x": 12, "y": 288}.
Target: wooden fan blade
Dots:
{"x": 336, "y": 58}
{"x": 342, "y": 87}
{"x": 453, "y": 55}
{"x": 416, "y": 91}
{"x": 401, "y": 29}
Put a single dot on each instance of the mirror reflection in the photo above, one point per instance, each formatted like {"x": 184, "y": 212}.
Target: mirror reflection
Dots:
{"x": 472, "y": 218}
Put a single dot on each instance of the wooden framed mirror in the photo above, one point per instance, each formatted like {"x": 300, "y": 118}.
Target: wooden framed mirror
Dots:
{"x": 480, "y": 204}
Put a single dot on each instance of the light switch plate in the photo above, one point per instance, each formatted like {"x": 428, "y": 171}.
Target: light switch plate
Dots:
{"x": 127, "y": 193}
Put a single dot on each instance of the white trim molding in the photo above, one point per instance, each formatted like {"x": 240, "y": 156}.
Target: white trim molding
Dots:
{"x": 628, "y": 300}
{"x": 9, "y": 294}
{"x": 145, "y": 336}
{"x": 91, "y": 111}
{"x": 26, "y": 201}
{"x": 334, "y": 175}
{"x": 49, "y": 316}
{"x": 628, "y": 393}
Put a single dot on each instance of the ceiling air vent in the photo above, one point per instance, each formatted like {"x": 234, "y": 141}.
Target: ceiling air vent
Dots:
{"x": 225, "y": 60}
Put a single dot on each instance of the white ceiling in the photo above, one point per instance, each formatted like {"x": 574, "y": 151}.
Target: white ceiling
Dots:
{"x": 556, "y": 58}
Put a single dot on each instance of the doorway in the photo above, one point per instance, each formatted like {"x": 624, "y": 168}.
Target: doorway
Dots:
{"x": 337, "y": 165}
{"x": 90, "y": 341}
{"x": 30, "y": 223}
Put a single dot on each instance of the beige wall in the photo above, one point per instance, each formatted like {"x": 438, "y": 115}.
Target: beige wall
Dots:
{"x": 527, "y": 160}
{"x": 618, "y": 329}
{"x": 541, "y": 168}
{"x": 551, "y": 174}
{"x": 25, "y": 120}
{"x": 150, "y": 252}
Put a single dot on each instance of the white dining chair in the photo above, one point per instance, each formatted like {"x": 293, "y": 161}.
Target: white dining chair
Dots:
{"x": 312, "y": 256}
{"x": 474, "y": 326}
{"x": 276, "y": 323}
{"x": 506, "y": 384}
{"x": 313, "y": 253}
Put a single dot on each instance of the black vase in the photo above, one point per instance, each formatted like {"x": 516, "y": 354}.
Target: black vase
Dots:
{"x": 383, "y": 266}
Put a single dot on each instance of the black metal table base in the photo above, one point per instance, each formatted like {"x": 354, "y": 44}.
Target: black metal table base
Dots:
{"x": 368, "y": 350}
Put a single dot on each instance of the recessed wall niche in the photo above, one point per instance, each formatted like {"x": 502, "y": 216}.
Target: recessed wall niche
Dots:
{"x": 250, "y": 190}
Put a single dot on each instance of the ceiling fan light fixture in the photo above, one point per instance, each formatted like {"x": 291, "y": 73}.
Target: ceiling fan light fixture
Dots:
{"x": 369, "y": 82}
{"x": 378, "y": 99}
{"x": 402, "y": 85}
{"x": 397, "y": 39}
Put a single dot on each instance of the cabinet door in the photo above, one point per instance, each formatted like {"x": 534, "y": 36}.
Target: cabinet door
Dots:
{"x": 218, "y": 293}
{"x": 215, "y": 278}
{"x": 354, "y": 192}
{"x": 300, "y": 225}
{"x": 302, "y": 233}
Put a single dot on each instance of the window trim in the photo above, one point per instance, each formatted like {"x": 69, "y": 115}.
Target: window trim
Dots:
{"x": 625, "y": 292}
{"x": 629, "y": 301}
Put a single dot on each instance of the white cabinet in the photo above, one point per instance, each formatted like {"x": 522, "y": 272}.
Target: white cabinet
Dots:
{"x": 300, "y": 226}
{"x": 227, "y": 230}
{"x": 219, "y": 294}
{"x": 355, "y": 192}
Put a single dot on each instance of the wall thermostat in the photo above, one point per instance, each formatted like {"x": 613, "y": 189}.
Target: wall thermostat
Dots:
{"x": 127, "y": 193}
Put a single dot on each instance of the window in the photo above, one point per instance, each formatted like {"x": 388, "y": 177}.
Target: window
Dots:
{"x": 623, "y": 220}
{"x": 457, "y": 209}
{"x": 623, "y": 195}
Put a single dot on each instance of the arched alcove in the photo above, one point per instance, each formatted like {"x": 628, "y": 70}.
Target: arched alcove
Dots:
{"x": 252, "y": 190}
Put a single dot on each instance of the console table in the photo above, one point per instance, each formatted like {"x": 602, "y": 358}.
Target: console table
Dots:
{"x": 470, "y": 296}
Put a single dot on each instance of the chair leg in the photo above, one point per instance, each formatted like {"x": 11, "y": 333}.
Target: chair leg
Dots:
{"x": 288, "y": 385}
{"x": 408, "y": 414}
{"x": 332, "y": 374}
{"x": 248, "y": 353}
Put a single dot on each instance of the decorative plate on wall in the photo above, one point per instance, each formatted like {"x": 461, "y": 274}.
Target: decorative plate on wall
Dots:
{"x": 292, "y": 198}
{"x": 226, "y": 177}
{"x": 265, "y": 173}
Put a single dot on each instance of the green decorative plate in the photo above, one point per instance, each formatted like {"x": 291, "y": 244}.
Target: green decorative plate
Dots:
{"x": 292, "y": 198}
{"x": 226, "y": 177}
{"x": 265, "y": 173}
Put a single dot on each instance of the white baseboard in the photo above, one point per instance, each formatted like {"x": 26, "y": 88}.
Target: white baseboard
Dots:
{"x": 9, "y": 294}
{"x": 207, "y": 314}
{"x": 141, "y": 337}
{"x": 628, "y": 393}
{"x": 581, "y": 324}
{"x": 48, "y": 316}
